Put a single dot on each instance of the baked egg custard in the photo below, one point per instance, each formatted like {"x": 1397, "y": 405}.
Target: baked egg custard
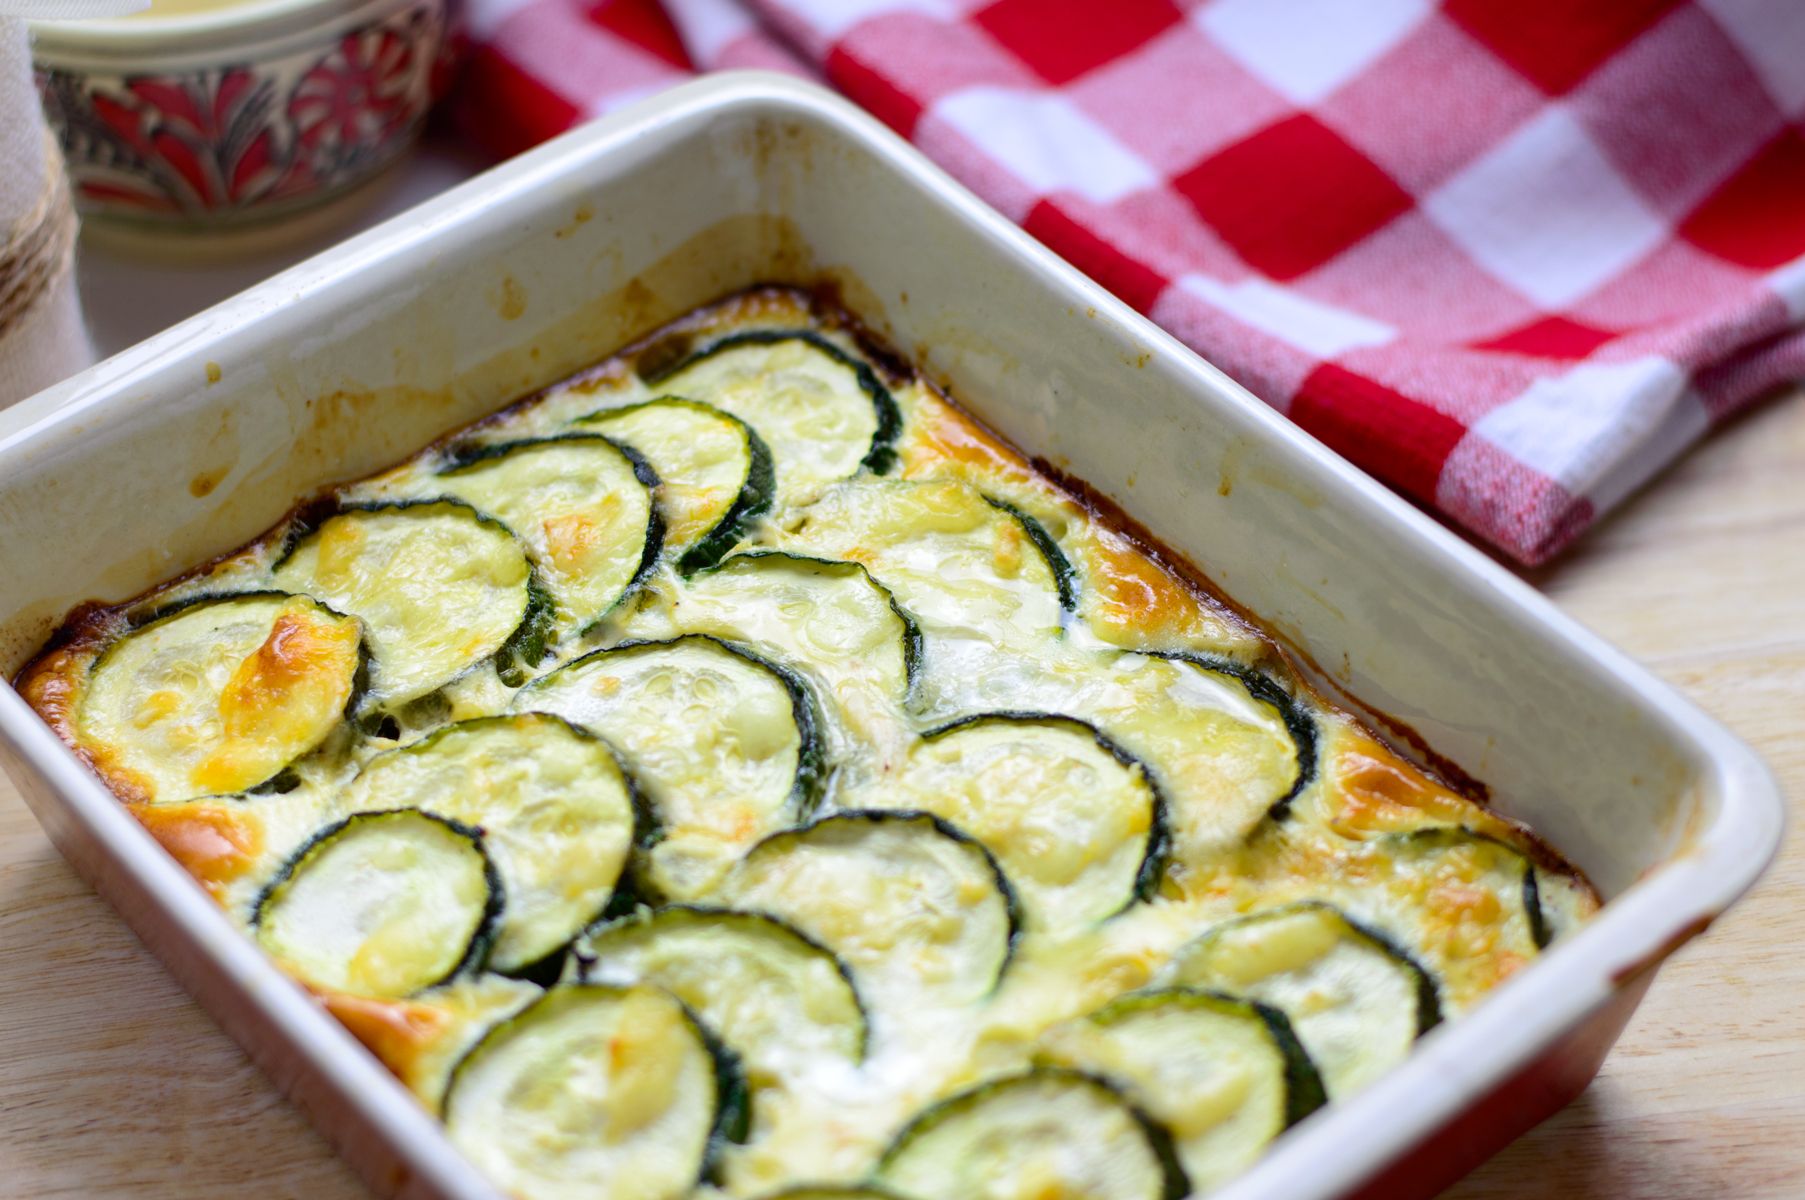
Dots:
{"x": 735, "y": 771}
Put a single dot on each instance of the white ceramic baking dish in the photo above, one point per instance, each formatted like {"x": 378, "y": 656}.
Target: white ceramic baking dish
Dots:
{"x": 201, "y": 437}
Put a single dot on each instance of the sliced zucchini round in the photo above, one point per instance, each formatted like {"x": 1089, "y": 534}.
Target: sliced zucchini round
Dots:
{"x": 1357, "y": 1001}
{"x": 1048, "y": 1131}
{"x": 1472, "y": 904}
{"x": 828, "y": 616}
{"x": 594, "y": 1090}
{"x": 714, "y": 471}
{"x": 779, "y": 1000}
{"x": 438, "y": 586}
{"x": 1075, "y": 821}
{"x": 1229, "y": 747}
{"x": 557, "y": 813}
{"x": 1223, "y": 1076}
{"x": 963, "y": 566}
{"x": 824, "y": 414}
{"x": 382, "y": 904}
{"x": 218, "y": 695}
{"x": 724, "y": 745}
{"x": 581, "y": 505}
{"x": 918, "y": 910}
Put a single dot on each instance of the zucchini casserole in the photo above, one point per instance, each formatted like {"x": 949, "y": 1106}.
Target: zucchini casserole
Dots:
{"x": 734, "y": 771}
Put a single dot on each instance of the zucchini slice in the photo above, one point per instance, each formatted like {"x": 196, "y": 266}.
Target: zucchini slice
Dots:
{"x": 1357, "y": 1001}
{"x": 963, "y": 566}
{"x": 557, "y": 813}
{"x": 825, "y": 415}
{"x": 714, "y": 472}
{"x": 1048, "y": 1131}
{"x": 1230, "y": 748}
{"x": 438, "y": 586}
{"x": 779, "y": 1000}
{"x": 382, "y": 904}
{"x": 1472, "y": 904}
{"x": 218, "y": 695}
{"x": 1076, "y": 823}
{"x": 594, "y": 1090}
{"x": 580, "y": 504}
{"x": 725, "y": 745}
{"x": 828, "y": 616}
{"x": 1223, "y": 1076}
{"x": 918, "y": 910}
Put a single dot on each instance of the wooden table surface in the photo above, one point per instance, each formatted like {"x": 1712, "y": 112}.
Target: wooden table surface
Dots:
{"x": 114, "y": 1084}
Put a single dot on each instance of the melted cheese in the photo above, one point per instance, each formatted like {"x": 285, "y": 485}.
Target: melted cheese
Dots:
{"x": 716, "y": 744}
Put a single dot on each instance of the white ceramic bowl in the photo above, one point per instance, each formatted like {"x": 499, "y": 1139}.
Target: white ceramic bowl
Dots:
{"x": 141, "y": 466}
{"x": 241, "y": 113}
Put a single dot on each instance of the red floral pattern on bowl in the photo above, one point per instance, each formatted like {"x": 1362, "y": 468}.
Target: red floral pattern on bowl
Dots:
{"x": 252, "y": 138}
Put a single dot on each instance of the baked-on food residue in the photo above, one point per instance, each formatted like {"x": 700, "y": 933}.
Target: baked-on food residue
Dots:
{"x": 736, "y": 771}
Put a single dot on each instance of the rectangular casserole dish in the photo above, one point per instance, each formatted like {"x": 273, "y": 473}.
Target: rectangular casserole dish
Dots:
{"x": 196, "y": 440}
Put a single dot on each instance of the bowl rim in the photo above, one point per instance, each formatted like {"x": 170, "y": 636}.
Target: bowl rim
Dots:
{"x": 236, "y": 26}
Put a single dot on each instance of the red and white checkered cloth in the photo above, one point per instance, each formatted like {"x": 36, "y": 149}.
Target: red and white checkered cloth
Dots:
{"x": 1510, "y": 256}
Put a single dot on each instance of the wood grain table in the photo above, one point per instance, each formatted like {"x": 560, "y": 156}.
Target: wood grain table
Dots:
{"x": 114, "y": 1084}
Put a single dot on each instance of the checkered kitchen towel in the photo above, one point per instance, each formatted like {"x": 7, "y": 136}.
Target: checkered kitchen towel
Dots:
{"x": 1510, "y": 256}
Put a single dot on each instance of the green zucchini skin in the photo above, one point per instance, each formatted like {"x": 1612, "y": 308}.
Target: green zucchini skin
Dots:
{"x": 1263, "y": 688}
{"x": 756, "y": 492}
{"x": 732, "y": 1119}
{"x": 912, "y": 639}
{"x": 528, "y": 645}
{"x": 589, "y": 949}
{"x": 476, "y": 953}
{"x": 465, "y": 457}
{"x": 1175, "y": 1184}
{"x": 881, "y": 458}
{"x": 1159, "y": 834}
{"x": 1065, "y": 576}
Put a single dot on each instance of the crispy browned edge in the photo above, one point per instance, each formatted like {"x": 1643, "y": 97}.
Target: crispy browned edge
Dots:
{"x": 48, "y": 682}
